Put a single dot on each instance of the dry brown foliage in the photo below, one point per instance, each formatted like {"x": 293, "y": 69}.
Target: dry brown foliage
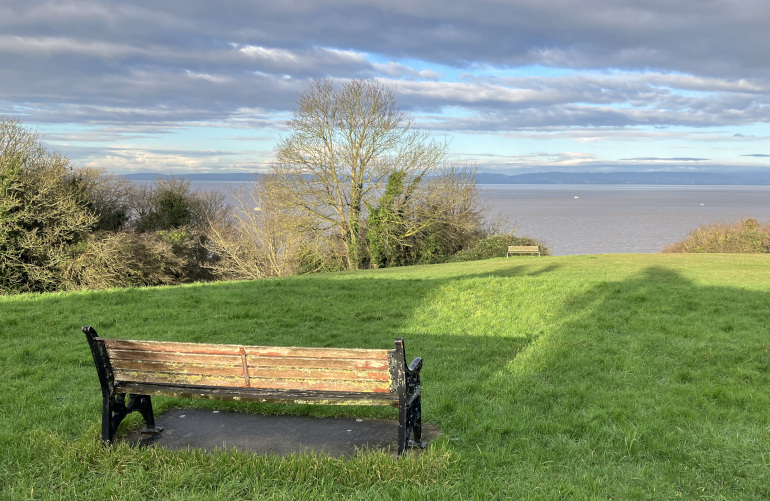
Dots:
{"x": 123, "y": 259}
{"x": 264, "y": 236}
{"x": 744, "y": 236}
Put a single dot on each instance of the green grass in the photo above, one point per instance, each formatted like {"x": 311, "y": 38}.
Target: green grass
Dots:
{"x": 584, "y": 377}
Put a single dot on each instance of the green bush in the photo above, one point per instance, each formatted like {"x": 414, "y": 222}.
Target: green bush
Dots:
{"x": 180, "y": 216}
{"x": 496, "y": 246}
{"x": 424, "y": 223}
{"x": 746, "y": 236}
{"x": 43, "y": 212}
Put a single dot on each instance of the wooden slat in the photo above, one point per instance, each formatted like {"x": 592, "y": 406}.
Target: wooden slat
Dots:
{"x": 268, "y": 383}
{"x": 318, "y": 363}
{"x": 230, "y": 349}
{"x": 214, "y": 364}
{"x": 321, "y": 385}
{"x": 171, "y": 357}
{"x": 161, "y": 346}
{"x": 146, "y": 371}
{"x": 177, "y": 368}
{"x": 178, "y": 378}
{"x": 338, "y": 353}
{"x": 300, "y": 373}
{"x": 259, "y": 395}
{"x": 254, "y": 361}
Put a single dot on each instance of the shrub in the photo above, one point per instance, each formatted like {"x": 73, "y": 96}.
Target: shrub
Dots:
{"x": 122, "y": 259}
{"x": 424, "y": 221}
{"x": 265, "y": 238}
{"x": 746, "y": 236}
{"x": 313, "y": 260}
{"x": 181, "y": 217}
{"x": 107, "y": 195}
{"x": 43, "y": 212}
{"x": 496, "y": 246}
{"x": 170, "y": 204}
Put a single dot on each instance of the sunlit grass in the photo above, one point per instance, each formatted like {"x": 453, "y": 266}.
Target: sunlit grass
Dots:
{"x": 604, "y": 377}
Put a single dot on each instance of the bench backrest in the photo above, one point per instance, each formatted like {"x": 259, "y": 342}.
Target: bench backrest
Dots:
{"x": 236, "y": 366}
{"x": 523, "y": 248}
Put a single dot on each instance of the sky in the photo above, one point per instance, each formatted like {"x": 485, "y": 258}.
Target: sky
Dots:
{"x": 513, "y": 86}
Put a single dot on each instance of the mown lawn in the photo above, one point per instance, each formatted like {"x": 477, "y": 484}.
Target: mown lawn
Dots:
{"x": 584, "y": 377}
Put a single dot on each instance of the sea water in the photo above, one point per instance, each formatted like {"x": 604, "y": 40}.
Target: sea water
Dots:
{"x": 596, "y": 219}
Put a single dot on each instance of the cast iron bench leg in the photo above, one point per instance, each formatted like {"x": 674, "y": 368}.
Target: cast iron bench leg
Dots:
{"x": 115, "y": 410}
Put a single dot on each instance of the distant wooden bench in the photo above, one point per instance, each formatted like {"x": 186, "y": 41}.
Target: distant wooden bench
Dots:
{"x": 329, "y": 376}
{"x": 523, "y": 249}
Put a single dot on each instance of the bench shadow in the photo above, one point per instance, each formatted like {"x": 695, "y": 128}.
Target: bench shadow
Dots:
{"x": 356, "y": 313}
{"x": 360, "y": 310}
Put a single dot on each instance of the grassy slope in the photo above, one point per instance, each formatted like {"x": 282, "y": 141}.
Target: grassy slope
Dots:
{"x": 604, "y": 377}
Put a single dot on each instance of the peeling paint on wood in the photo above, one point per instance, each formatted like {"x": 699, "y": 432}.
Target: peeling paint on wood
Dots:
{"x": 231, "y": 349}
{"x": 276, "y": 396}
{"x": 235, "y": 366}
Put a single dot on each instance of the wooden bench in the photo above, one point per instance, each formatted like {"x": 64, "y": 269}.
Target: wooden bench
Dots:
{"x": 329, "y": 376}
{"x": 523, "y": 249}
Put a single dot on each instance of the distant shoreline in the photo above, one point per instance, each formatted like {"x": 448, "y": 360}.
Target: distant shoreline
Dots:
{"x": 594, "y": 178}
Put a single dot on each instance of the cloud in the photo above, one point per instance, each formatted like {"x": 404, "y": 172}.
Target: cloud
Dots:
{"x": 398, "y": 70}
{"x": 674, "y": 159}
{"x": 133, "y": 159}
{"x": 586, "y": 34}
{"x": 211, "y": 59}
{"x": 593, "y": 71}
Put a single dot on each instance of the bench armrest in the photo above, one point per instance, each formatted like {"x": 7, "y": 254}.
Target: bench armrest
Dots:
{"x": 416, "y": 365}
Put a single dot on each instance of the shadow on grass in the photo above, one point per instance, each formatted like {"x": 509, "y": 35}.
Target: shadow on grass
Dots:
{"x": 54, "y": 365}
{"x": 544, "y": 380}
{"x": 656, "y": 378}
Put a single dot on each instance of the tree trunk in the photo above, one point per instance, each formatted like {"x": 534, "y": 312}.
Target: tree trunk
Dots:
{"x": 354, "y": 247}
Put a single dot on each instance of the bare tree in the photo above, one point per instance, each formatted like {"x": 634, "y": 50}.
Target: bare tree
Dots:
{"x": 265, "y": 236}
{"x": 345, "y": 142}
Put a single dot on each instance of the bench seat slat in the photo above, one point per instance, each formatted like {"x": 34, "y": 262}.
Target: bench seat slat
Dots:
{"x": 179, "y": 378}
{"x": 255, "y": 382}
{"x": 199, "y": 348}
{"x": 260, "y": 395}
